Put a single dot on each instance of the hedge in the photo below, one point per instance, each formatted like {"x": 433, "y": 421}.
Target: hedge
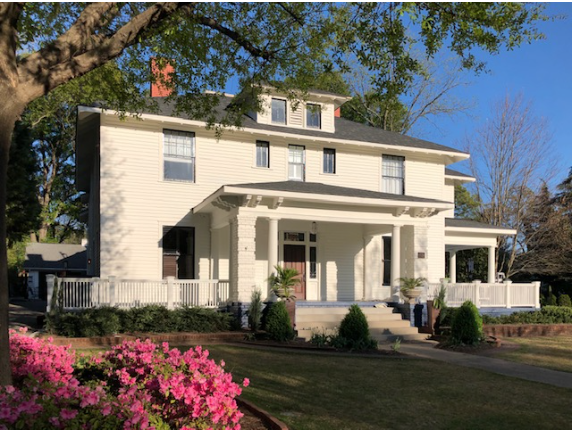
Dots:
{"x": 546, "y": 315}
{"x": 105, "y": 321}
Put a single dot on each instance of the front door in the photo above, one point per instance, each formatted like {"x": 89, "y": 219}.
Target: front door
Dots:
{"x": 295, "y": 257}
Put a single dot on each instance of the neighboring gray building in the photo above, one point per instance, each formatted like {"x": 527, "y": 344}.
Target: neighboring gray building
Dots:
{"x": 47, "y": 258}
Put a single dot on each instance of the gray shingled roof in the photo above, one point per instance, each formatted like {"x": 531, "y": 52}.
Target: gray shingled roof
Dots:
{"x": 52, "y": 256}
{"x": 345, "y": 129}
{"x": 324, "y": 189}
{"x": 466, "y": 223}
{"x": 450, "y": 172}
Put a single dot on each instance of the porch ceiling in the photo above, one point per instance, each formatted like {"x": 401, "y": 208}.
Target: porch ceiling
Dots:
{"x": 318, "y": 195}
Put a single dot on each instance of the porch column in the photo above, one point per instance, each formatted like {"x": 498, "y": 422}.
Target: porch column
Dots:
{"x": 272, "y": 244}
{"x": 243, "y": 258}
{"x": 492, "y": 269}
{"x": 453, "y": 266}
{"x": 395, "y": 254}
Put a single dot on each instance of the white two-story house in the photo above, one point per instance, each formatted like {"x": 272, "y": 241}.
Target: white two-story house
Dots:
{"x": 351, "y": 206}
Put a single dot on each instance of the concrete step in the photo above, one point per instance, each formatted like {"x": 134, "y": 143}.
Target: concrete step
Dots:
{"x": 323, "y": 323}
{"x": 338, "y": 318}
{"x": 305, "y": 311}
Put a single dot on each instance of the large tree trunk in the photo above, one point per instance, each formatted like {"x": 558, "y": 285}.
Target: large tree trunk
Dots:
{"x": 9, "y": 113}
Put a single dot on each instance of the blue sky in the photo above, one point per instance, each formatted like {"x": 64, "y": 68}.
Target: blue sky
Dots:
{"x": 541, "y": 71}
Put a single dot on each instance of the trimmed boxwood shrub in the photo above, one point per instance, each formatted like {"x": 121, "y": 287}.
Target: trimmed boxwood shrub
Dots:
{"x": 354, "y": 331}
{"x": 202, "y": 320}
{"x": 467, "y": 325}
{"x": 564, "y": 300}
{"x": 153, "y": 319}
{"x": 278, "y": 324}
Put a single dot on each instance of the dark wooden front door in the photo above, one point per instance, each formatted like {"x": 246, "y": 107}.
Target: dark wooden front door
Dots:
{"x": 295, "y": 257}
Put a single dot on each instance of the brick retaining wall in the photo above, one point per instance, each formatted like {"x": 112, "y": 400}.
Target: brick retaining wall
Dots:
{"x": 527, "y": 330}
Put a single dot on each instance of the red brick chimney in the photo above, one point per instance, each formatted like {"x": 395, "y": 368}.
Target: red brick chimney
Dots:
{"x": 158, "y": 88}
{"x": 338, "y": 112}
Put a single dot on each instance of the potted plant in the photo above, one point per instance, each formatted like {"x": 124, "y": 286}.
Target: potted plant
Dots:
{"x": 282, "y": 284}
{"x": 434, "y": 308}
{"x": 411, "y": 287}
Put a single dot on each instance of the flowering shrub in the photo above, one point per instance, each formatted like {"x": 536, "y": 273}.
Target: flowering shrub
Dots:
{"x": 38, "y": 358}
{"x": 136, "y": 385}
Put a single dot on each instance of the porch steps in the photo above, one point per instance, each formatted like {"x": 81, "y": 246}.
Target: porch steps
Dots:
{"x": 384, "y": 324}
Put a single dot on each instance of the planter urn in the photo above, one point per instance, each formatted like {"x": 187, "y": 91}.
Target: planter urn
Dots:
{"x": 412, "y": 294}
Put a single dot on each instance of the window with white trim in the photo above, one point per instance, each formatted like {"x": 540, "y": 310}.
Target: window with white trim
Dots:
{"x": 313, "y": 116}
{"x": 329, "y": 161}
{"x": 263, "y": 154}
{"x": 278, "y": 111}
{"x": 393, "y": 174}
{"x": 178, "y": 155}
{"x": 296, "y": 162}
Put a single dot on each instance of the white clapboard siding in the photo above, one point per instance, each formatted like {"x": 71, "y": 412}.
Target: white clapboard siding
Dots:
{"x": 136, "y": 202}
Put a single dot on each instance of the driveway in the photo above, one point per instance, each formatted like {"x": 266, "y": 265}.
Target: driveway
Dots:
{"x": 26, "y": 313}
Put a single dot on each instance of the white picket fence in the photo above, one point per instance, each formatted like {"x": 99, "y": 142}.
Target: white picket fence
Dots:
{"x": 84, "y": 293}
{"x": 506, "y": 295}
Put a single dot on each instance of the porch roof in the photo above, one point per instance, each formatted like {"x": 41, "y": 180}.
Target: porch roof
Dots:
{"x": 324, "y": 189}
{"x": 250, "y": 194}
{"x": 466, "y": 225}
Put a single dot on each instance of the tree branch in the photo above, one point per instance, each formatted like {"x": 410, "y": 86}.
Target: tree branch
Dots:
{"x": 41, "y": 79}
{"x": 235, "y": 36}
{"x": 75, "y": 41}
{"x": 9, "y": 15}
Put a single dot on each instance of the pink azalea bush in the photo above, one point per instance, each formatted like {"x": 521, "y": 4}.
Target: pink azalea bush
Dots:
{"x": 136, "y": 385}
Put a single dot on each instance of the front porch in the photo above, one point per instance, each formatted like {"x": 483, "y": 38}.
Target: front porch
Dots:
{"x": 346, "y": 247}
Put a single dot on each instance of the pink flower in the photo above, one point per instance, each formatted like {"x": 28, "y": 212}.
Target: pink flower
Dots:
{"x": 246, "y": 382}
{"x": 67, "y": 414}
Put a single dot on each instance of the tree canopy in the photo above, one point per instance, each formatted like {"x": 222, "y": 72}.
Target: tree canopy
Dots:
{"x": 46, "y": 45}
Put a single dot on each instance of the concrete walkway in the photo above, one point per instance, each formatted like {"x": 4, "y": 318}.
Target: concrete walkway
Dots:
{"x": 25, "y": 313}
{"x": 427, "y": 350}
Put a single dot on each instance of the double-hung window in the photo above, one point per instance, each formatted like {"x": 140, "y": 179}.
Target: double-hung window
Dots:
{"x": 313, "y": 116}
{"x": 329, "y": 161}
{"x": 178, "y": 155}
{"x": 262, "y": 154}
{"x": 279, "y": 111}
{"x": 393, "y": 174}
{"x": 296, "y": 160}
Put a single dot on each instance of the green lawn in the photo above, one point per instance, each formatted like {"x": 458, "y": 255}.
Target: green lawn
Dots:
{"x": 309, "y": 391}
{"x": 549, "y": 352}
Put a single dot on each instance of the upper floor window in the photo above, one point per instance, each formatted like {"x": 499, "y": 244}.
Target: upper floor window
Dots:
{"x": 313, "y": 116}
{"x": 393, "y": 174}
{"x": 329, "y": 161}
{"x": 178, "y": 155}
{"x": 262, "y": 154}
{"x": 278, "y": 111}
{"x": 296, "y": 162}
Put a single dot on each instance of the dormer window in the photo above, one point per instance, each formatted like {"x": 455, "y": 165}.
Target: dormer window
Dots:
{"x": 278, "y": 111}
{"x": 313, "y": 116}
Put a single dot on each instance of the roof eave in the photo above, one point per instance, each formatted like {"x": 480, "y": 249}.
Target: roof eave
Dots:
{"x": 454, "y": 156}
{"x": 475, "y": 230}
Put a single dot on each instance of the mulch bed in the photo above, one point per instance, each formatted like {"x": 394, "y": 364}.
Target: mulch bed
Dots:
{"x": 307, "y": 346}
{"x": 256, "y": 418}
{"x": 489, "y": 348}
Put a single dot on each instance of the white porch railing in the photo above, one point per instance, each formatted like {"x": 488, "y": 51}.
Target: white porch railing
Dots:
{"x": 506, "y": 295}
{"x": 84, "y": 293}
